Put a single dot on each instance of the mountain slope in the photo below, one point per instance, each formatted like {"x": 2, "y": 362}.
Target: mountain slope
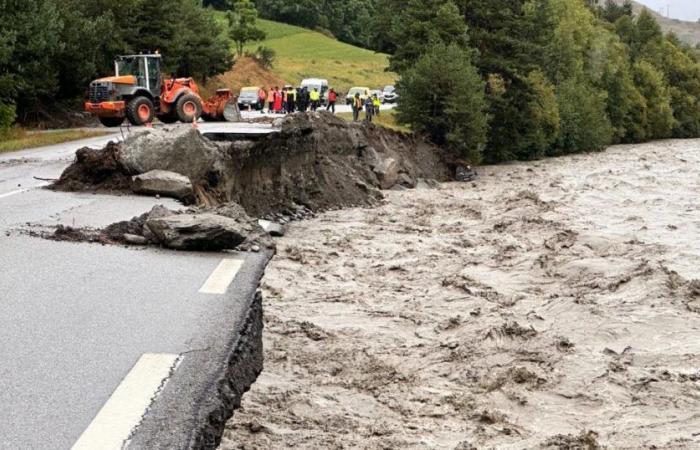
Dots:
{"x": 303, "y": 53}
{"x": 688, "y": 32}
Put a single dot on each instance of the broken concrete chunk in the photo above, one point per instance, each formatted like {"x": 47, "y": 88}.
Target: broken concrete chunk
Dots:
{"x": 134, "y": 239}
{"x": 198, "y": 232}
{"x": 272, "y": 228}
{"x": 181, "y": 150}
{"x": 163, "y": 182}
{"x": 388, "y": 173}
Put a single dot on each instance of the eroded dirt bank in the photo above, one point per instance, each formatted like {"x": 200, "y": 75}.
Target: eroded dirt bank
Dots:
{"x": 550, "y": 305}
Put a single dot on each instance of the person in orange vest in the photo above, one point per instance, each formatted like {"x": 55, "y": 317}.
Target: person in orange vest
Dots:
{"x": 332, "y": 98}
{"x": 262, "y": 96}
{"x": 270, "y": 100}
{"x": 356, "y": 107}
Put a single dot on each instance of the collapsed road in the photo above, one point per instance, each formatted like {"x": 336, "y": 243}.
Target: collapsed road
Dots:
{"x": 127, "y": 343}
{"x": 96, "y": 339}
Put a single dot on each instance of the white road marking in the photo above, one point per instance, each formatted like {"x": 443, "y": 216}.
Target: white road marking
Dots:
{"x": 125, "y": 408}
{"x": 9, "y": 194}
{"x": 220, "y": 279}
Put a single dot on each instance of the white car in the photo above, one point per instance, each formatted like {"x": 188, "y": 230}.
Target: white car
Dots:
{"x": 390, "y": 95}
{"x": 363, "y": 91}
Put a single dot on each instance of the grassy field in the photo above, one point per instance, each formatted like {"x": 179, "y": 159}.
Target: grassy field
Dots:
{"x": 385, "y": 119}
{"x": 303, "y": 53}
{"x": 19, "y": 139}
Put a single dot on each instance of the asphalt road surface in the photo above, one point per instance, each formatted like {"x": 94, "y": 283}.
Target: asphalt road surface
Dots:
{"x": 102, "y": 345}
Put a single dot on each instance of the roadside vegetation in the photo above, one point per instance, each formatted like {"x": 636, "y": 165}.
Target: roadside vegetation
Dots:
{"x": 51, "y": 49}
{"x": 386, "y": 119}
{"x": 20, "y": 139}
{"x": 301, "y": 53}
{"x": 536, "y": 78}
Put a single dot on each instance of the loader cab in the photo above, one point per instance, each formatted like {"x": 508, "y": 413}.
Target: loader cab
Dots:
{"x": 146, "y": 69}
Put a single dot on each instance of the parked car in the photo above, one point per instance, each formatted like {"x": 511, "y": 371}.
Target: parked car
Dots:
{"x": 390, "y": 95}
{"x": 363, "y": 91}
{"x": 248, "y": 98}
{"x": 317, "y": 83}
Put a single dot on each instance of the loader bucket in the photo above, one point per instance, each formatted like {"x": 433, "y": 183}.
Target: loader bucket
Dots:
{"x": 221, "y": 107}
{"x": 232, "y": 113}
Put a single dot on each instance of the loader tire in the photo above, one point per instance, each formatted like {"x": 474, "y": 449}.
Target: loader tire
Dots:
{"x": 189, "y": 108}
{"x": 111, "y": 122}
{"x": 140, "y": 111}
{"x": 168, "y": 118}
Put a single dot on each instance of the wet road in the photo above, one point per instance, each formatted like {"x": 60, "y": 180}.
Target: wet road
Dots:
{"x": 96, "y": 340}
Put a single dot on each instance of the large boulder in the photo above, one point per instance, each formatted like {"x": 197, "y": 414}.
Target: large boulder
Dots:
{"x": 181, "y": 150}
{"x": 387, "y": 171}
{"x": 163, "y": 182}
{"x": 198, "y": 232}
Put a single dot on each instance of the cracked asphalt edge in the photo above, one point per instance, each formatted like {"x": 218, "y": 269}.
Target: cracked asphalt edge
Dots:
{"x": 213, "y": 380}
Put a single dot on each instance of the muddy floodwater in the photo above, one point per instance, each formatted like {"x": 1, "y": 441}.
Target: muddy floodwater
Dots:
{"x": 552, "y": 304}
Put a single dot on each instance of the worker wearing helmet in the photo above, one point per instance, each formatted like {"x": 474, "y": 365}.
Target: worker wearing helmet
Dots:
{"x": 377, "y": 103}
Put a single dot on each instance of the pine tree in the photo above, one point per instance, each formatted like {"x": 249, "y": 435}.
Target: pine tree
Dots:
{"x": 243, "y": 29}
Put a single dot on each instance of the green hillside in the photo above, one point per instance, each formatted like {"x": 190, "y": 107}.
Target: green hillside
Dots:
{"x": 303, "y": 53}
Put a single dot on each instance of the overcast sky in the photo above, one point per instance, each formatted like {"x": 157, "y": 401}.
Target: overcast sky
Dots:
{"x": 680, "y": 9}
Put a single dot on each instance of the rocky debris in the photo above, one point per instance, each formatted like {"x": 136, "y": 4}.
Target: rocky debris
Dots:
{"x": 95, "y": 170}
{"x": 165, "y": 183}
{"x": 465, "y": 173}
{"x": 273, "y": 228}
{"x": 586, "y": 440}
{"x": 181, "y": 149}
{"x": 134, "y": 239}
{"x": 207, "y": 229}
{"x": 387, "y": 171}
{"x": 422, "y": 183}
{"x": 317, "y": 161}
{"x": 198, "y": 232}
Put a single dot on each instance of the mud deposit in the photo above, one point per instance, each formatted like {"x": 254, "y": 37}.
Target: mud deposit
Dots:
{"x": 550, "y": 305}
{"x": 315, "y": 160}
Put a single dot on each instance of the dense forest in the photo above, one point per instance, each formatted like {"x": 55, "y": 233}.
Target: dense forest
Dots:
{"x": 51, "y": 49}
{"x": 494, "y": 80}
{"x": 350, "y": 21}
{"x": 520, "y": 79}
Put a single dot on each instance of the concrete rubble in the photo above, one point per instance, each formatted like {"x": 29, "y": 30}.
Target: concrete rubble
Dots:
{"x": 315, "y": 162}
{"x": 164, "y": 183}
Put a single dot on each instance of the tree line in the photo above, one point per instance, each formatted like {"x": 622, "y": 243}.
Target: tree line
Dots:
{"x": 350, "y": 21}
{"x": 51, "y": 49}
{"x": 499, "y": 80}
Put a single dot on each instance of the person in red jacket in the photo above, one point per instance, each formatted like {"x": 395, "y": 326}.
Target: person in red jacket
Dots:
{"x": 332, "y": 98}
{"x": 277, "y": 100}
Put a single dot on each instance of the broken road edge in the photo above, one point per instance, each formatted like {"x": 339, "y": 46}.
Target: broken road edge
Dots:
{"x": 215, "y": 377}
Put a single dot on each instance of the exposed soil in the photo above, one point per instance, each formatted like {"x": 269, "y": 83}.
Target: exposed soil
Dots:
{"x": 316, "y": 161}
{"x": 136, "y": 231}
{"x": 244, "y": 73}
{"x": 95, "y": 171}
{"x": 322, "y": 162}
{"x": 550, "y": 305}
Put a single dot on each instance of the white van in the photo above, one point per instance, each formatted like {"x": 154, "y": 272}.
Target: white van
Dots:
{"x": 317, "y": 83}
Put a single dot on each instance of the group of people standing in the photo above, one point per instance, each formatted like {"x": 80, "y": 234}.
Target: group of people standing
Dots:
{"x": 290, "y": 99}
{"x": 371, "y": 106}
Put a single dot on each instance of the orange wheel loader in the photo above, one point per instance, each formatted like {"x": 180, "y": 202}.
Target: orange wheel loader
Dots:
{"x": 137, "y": 92}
